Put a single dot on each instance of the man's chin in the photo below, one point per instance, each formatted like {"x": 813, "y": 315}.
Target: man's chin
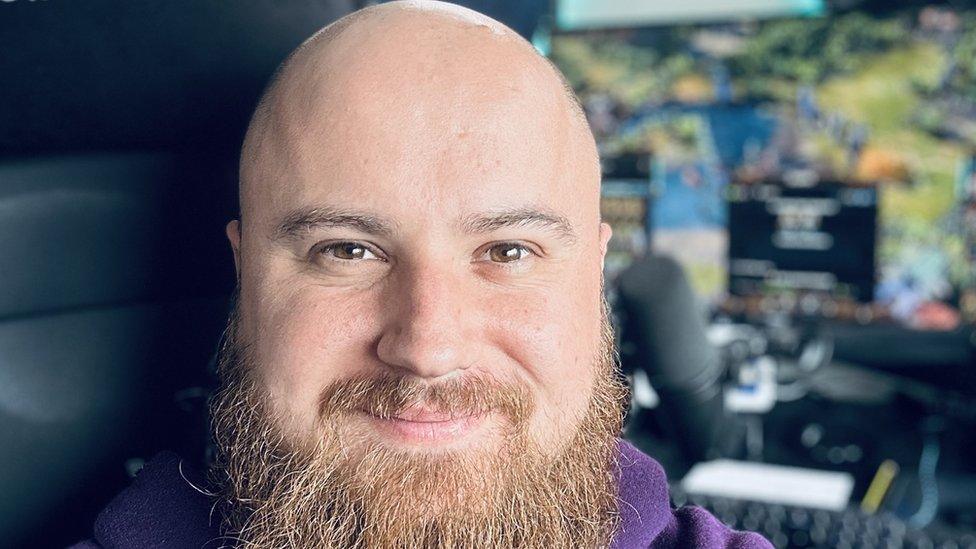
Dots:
{"x": 467, "y": 474}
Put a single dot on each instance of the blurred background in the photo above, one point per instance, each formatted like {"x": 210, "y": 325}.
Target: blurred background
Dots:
{"x": 792, "y": 186}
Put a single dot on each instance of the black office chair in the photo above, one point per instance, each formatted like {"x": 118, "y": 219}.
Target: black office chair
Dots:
{"x": 119, "y": 129}
{"x": 102, "y": 322}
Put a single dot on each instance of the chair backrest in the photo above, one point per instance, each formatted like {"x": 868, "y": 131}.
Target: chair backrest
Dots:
{"x": 111, "y": 300}
{"x": 119, "y": 129}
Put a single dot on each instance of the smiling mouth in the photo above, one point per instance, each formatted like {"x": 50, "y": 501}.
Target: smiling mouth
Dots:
{"x": 417, "y": 425}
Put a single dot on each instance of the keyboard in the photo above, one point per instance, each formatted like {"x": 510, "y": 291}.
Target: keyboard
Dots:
{"x": 795, "y": 527}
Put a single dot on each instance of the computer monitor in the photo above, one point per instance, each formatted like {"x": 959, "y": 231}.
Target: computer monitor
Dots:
{"x": 802, "y": 249}
{"x": 860, "y": 100}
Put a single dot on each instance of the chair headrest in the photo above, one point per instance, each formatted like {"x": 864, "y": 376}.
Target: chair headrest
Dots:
{"x": 97, "y": 230}
{"x": 103, "y": 74}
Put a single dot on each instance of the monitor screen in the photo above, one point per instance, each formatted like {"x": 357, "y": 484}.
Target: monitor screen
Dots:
{"x": 586, "y": 14}
{"x": 875, "y": 101}
{"x": 802, "y": 249}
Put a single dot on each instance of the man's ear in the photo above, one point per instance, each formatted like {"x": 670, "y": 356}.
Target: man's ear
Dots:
{"x": 233, "y": 231}
{"x": 605, "y": 233}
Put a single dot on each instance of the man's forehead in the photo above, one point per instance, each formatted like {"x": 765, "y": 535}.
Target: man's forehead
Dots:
{"x": 437, "y": 152}
{"x": 395, "y": 196}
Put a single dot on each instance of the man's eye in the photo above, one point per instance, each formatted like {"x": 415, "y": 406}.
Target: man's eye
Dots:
{"x": 346, "y": 251}
{"x": 508, "y": 252}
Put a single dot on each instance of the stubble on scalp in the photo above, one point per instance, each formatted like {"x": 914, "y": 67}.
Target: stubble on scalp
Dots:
{"x": 322, "y": 493}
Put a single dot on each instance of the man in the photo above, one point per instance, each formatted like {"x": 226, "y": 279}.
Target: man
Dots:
{"x": 420, "y": 355}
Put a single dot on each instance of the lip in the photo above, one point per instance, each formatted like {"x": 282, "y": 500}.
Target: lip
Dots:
{"x": 421, "y": 415}
{"x": 425, "y": 426}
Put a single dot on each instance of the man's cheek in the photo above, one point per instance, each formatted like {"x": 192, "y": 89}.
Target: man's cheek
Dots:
{"x": 546, "y": 348}
{"x": 301, "y": 350}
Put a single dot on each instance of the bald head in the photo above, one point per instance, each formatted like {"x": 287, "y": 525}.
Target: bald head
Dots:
{"x": 398, "y": 61}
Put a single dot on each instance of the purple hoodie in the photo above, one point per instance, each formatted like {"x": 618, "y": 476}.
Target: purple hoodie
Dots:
{"x": 162, "y": 509}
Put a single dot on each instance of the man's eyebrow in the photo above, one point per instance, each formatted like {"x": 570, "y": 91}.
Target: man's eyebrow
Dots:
{"x": 300, "y": 222}
{"x": 520, "y": 217}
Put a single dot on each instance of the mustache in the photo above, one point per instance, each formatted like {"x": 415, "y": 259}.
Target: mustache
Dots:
{"x": 386, "y": 395}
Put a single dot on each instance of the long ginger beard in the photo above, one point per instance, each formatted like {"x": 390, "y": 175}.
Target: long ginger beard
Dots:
{"x": 343, "y": 491}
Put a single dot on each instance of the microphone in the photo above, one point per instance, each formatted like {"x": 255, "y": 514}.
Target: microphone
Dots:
{"x": 663, "y": 329}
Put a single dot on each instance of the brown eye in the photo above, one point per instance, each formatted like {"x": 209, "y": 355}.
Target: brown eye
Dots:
{"x": 347, "y": 251}
{"x": 507, "y": 253}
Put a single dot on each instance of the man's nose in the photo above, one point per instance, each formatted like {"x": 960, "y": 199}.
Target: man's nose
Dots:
{"x": 425, "y": 324}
